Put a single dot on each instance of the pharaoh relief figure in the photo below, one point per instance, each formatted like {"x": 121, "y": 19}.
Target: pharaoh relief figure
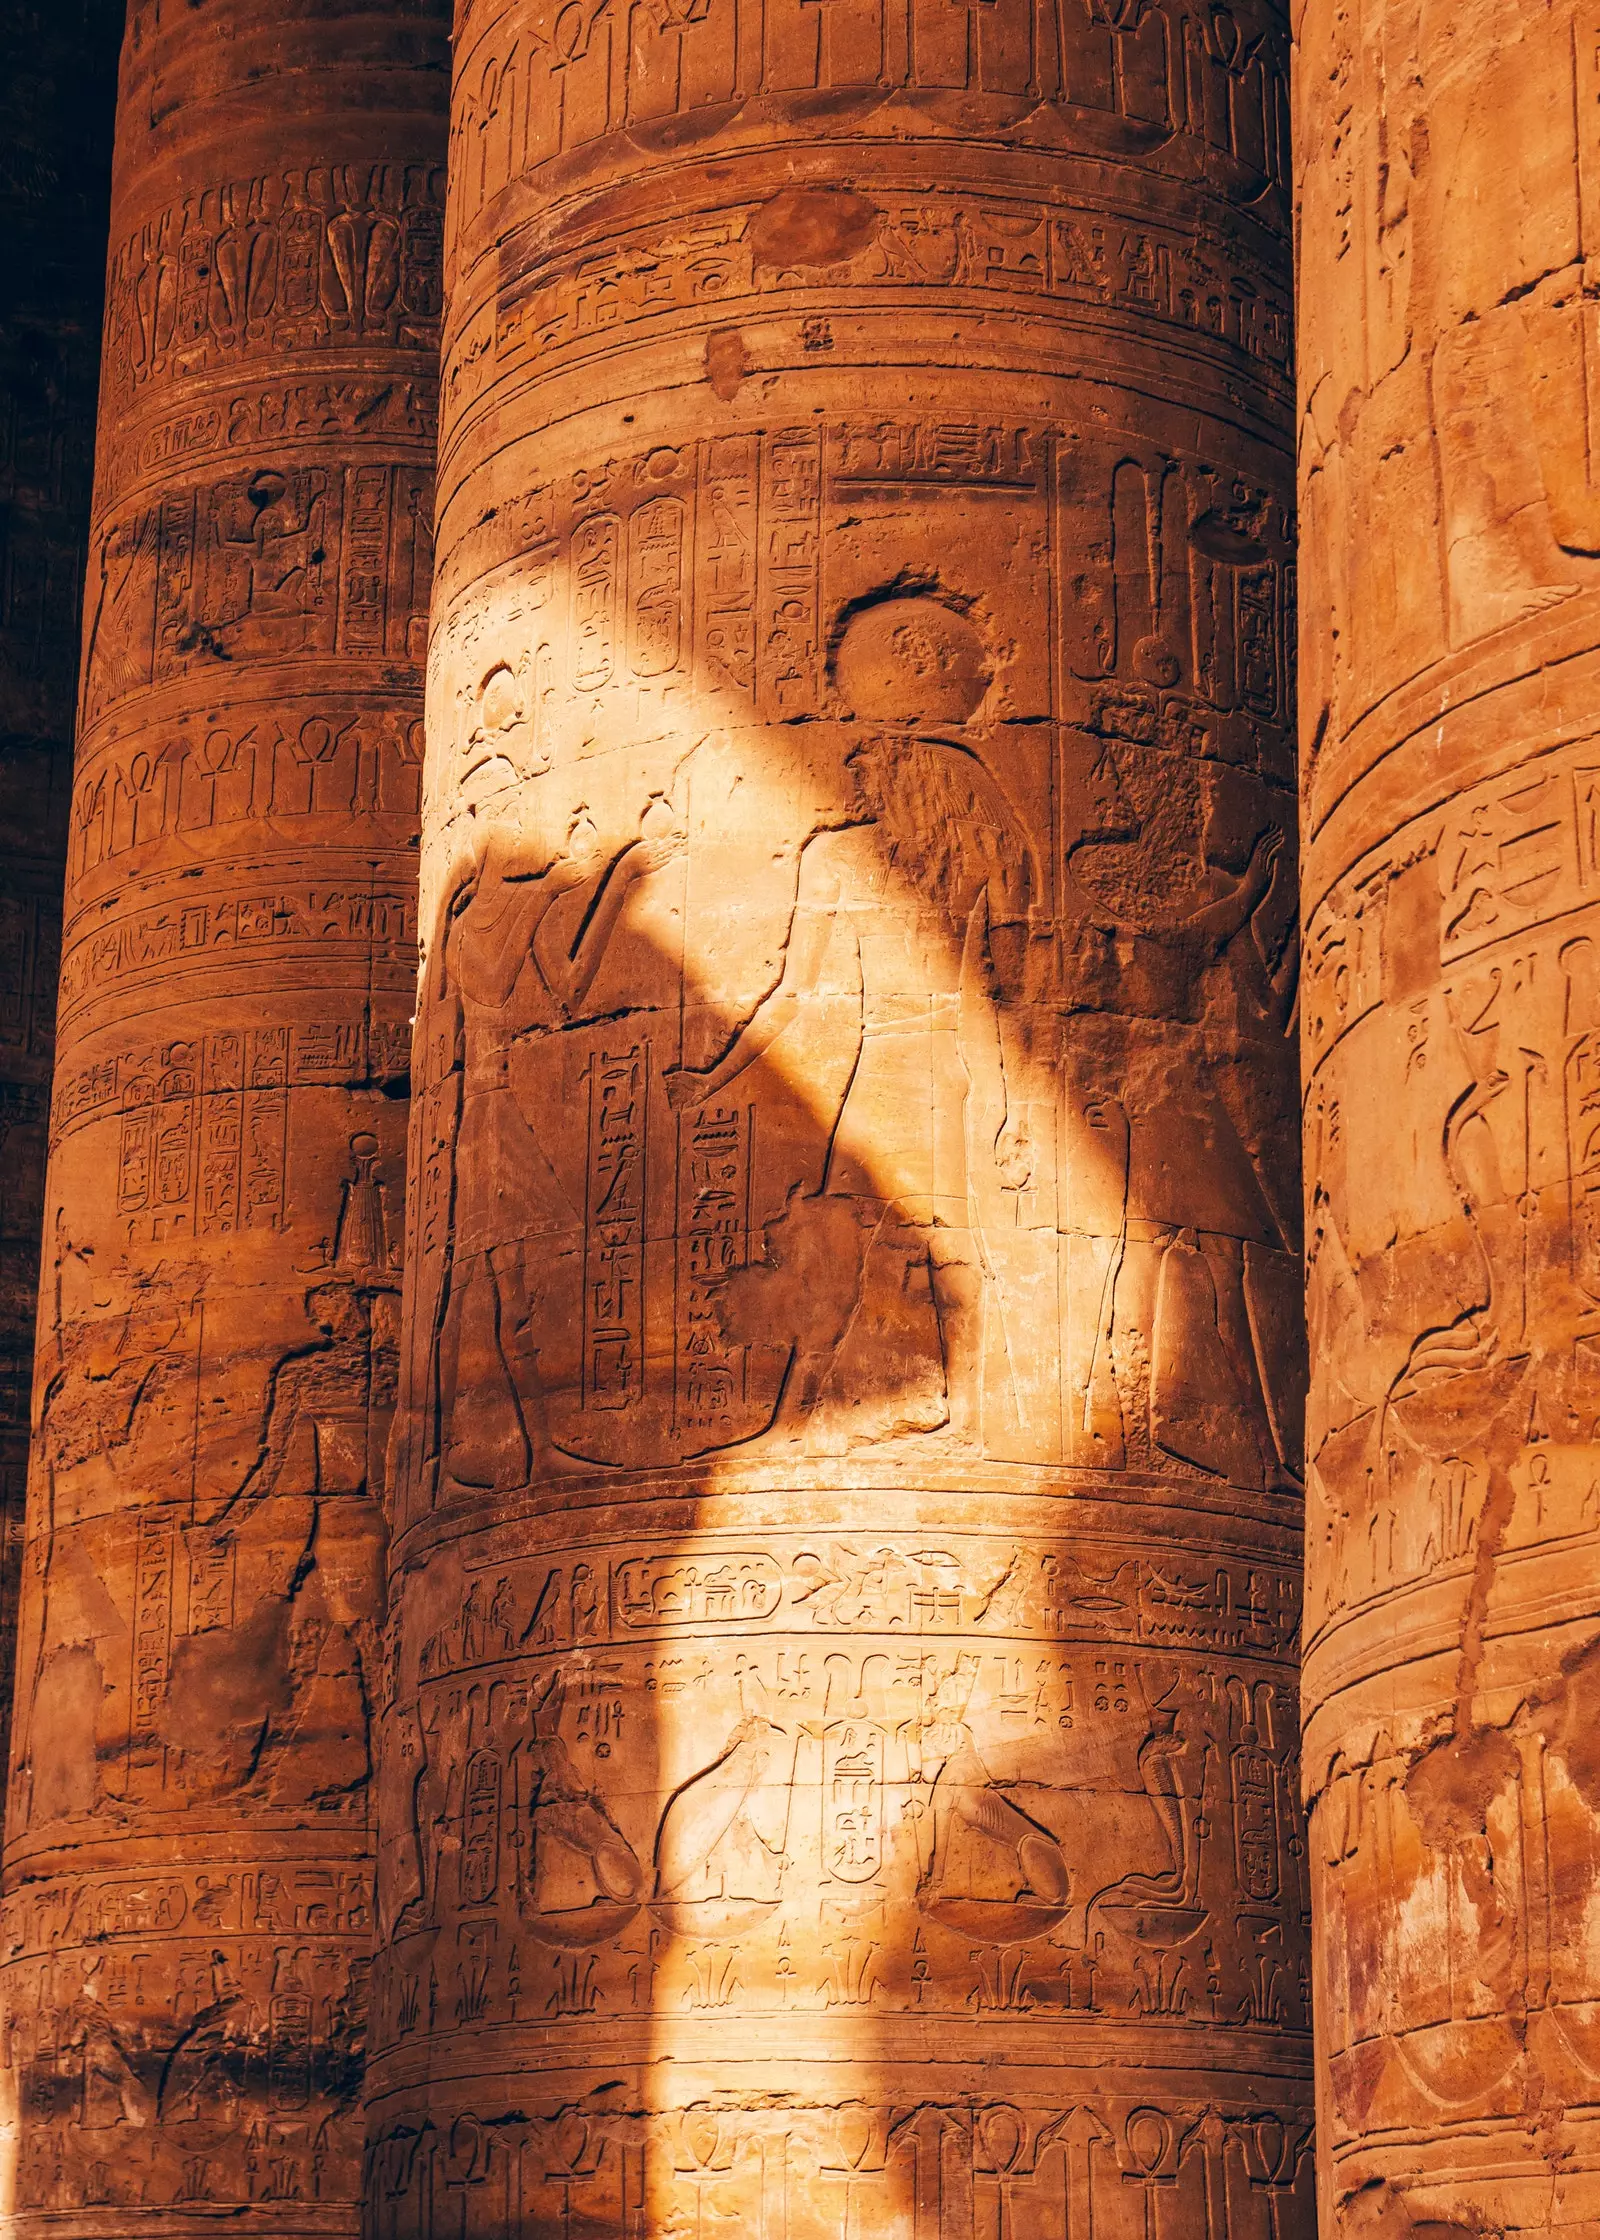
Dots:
{"x": 837, "y": 1742}
{"x": 965, "y": 1077}
{"x": 846, "y": 1454}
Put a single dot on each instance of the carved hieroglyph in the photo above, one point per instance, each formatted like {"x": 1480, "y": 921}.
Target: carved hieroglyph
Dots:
{"x": 838, "y": 1737}
{"x": 188, "y": 1859}
{"x": 57, "y": 77}
{"x": 1452, "y": 1058}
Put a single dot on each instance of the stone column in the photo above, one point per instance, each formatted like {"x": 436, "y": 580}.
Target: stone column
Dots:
{"x": 188, "y": 1850}
{"x": 1452, "y": 1049}
{"x": 57, "y": 84}
{"x": 841, "y": 1762}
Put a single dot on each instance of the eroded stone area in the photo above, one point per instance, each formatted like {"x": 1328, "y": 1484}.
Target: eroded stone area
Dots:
{"x": 189, "y": 1833}
{"x": 1450, "y": 628}
{"x": 839, "y": 1757}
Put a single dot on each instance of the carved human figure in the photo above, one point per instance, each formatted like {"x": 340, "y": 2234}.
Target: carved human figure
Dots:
{"x": 720, "y": 1847}
{"x": 847, "y": 1319}
{"x": 273, "y": 551}
{"x": 485, "y": 1625}
{"x": 420, "y": 1825}
{"x": 585, "y": 1880}
{"x": 314, "y": 1422}
{"x": 520, "y": 947}
{"x": 994, "y": 1872}
{"x": 111, "y": 2095}
{"x": 1180, "y": 1332}
{"x": 916, "y": 913}
{"x": 121, "y": 613}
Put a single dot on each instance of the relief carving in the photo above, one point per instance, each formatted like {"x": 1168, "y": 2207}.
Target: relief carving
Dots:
{"x": 267, "y": 564}
{"x": 851, "y": 1123}
{"x": 1448, "y": 1027}
{"x": 1039, "y": 258}
{"x": 263, "y": 267}
{"x": 56, "y": 73}
{"x": 1185, "y": 91}
{"x": 869, "y": 1276}
{"x": 188, "y": 1896}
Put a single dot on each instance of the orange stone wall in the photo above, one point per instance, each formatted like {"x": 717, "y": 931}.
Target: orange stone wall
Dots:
{"x": 188, "y": 1841}
{"x": 57, "y": 81}
{"x": 839, "y": 1754}
{"x": 1451, "y": 1024}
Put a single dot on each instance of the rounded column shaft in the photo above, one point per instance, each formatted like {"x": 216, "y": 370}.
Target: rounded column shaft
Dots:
{"x": 1452, "y": 621}
{"x": 840, "y": 1768}
{"x": 58, "y": 75}
{"x": 188, "y": 1845}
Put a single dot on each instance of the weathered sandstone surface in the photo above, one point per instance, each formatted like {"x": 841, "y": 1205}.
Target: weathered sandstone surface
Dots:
{"x": 189, "y": 1834}
{"x": 839, "y": 1759}
{"x": 1451, "y": 1035}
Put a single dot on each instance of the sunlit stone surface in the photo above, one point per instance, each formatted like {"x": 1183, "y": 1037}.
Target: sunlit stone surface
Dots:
{"x": 188, "y": 1839}
{"x": 1451, "y": 624}
{"x": 839, "y": 1742}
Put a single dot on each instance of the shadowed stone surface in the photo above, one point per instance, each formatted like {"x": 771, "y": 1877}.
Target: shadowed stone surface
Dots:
{"x": 57, "y": 86}
{"x": 839, "y": 1760}
{"x": 189, "y": 1831}
{"x": 1451, "y": 1044}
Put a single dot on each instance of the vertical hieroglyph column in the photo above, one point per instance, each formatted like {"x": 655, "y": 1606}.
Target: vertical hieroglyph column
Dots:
{"x": 1451, "y": 520}
{"x": 57, "y": 78}
{"x": 840, "y": 1767}
{"x": 188, "y": 1850}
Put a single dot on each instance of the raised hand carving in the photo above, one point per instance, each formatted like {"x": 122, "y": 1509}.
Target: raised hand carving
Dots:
{"x": 586, "y": 1882}
{"x": 900, "y": 912}
{"x": 314, "y": 1433}
{"x": 852, "y": 1317}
